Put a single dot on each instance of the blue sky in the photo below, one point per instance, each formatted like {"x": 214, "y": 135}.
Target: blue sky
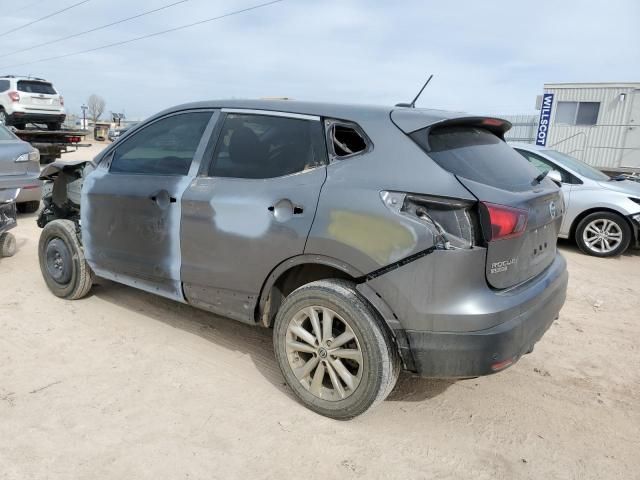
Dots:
{"x": 487, "y": 57}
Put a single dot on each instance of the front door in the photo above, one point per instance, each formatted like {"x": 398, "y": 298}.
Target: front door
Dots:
{"x": 251, "y": 207}
{"x": 131, "y": 203}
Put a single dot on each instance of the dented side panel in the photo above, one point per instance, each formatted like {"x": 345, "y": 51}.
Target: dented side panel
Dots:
{"x": 353, "y": 224}
{"x": 131, "y": 225}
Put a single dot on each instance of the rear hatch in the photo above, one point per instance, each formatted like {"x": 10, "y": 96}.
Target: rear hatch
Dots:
{"x": 39, "y": 95}
{"x": 520, "y": 216}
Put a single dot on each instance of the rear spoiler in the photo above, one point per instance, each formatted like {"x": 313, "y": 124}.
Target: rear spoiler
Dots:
{"x": 412, "y": 120}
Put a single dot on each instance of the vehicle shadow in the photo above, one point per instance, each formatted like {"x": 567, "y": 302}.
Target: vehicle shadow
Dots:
{"x": 245, "y": 339}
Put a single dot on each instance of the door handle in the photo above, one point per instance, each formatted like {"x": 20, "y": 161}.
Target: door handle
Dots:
{"x": 162, "y": 198}
{"x": 284, "y": 209}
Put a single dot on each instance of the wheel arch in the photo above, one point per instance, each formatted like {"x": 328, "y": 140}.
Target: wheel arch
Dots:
{"x": 293, "y": 273}
{"x": 589, "y": 211}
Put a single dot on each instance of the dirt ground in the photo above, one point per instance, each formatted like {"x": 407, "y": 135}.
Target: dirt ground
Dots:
{"x": 123, "y": 384}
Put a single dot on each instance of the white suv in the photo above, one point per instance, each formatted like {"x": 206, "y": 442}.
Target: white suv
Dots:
{"x": 30, "y": 100}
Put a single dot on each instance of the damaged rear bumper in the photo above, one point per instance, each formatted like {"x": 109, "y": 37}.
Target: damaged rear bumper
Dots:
{"x": 449, "y": 323}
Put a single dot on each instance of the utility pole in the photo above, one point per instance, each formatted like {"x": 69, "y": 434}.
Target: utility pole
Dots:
{"x": 84, "y": 116}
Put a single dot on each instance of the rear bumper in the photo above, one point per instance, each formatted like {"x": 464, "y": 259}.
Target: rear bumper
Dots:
{"x": 451, "y": 324}
{"x": 37, "y": 117}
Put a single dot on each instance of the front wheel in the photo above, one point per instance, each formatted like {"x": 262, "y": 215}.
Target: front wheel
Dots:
{"x": 62, "y": 261}
{"x": 7, "y": 245}
{"x": 603, "y": 234}
{"x": 333, "y": 350}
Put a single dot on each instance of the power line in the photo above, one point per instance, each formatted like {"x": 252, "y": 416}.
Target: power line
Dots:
{"x": 43, "y": 18}
{"x": 155, "y": 34}
{"x": 148, "y": 12}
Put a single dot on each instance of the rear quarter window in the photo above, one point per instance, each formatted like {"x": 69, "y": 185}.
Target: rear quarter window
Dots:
{"x": 478, "y": 155}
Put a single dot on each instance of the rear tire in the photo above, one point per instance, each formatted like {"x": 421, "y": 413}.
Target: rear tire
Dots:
{"x": 7, "y": 245}
{"x": 334, "y": 378}
{"x": 62, "y": 261}
{"x": 603, "y": 234}
{"x": 4, "y": 119}
{"x": 28, "y": 207}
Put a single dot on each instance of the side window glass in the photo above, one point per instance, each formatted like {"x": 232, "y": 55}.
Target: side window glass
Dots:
{"x": 544, "y": 166}
{"x": 262, "y": 146}
{"x": 165, "y": 147}
{"x": 4, "y": 85}
{"x": 346, "y": 139}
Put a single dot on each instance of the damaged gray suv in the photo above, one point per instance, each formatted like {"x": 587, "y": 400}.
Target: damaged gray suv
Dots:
{"x": 369, "y": 239}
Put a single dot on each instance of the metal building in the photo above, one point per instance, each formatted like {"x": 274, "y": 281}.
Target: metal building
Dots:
{"x": 599, "y": 123}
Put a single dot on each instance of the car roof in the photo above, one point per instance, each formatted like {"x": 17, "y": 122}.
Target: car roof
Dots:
{"x": 355, "y": 112}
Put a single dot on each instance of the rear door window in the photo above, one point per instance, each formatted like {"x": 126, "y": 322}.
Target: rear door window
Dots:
{"x": 264, "y": 146}
{"x": 30, "y": 86}
{"x": 478, "y": 155}
{"x": 166, "y": 147}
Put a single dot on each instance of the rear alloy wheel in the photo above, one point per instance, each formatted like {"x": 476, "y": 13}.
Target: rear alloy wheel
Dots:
{"x": 62, "y": 261}
{"x": 7, "y": 245}
{"x": 603, "y": 234}
{"x": 3, "y": 117}
{"x": 333, "y": 350}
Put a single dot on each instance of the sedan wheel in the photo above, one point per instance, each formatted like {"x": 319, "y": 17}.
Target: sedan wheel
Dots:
{"x": 3, "y": 117}
{"x": 603, "y": 234}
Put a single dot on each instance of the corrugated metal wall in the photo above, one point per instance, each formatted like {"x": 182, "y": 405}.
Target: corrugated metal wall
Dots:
{"x": 599, "y": 145}
{"x": 523, "y": 128}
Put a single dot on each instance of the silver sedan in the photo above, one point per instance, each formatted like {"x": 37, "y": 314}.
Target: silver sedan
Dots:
{"x": 602, "y": 213}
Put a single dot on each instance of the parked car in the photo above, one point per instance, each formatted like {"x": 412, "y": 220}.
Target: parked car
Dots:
{"x": 603, "y": 212}
{"x": 370, "y": 239}
{"x": 30, "y": 100}
{"x": 20, "y": 161}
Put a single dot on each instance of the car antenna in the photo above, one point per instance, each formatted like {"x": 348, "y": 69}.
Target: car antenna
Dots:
{"x": 413, "y": 103}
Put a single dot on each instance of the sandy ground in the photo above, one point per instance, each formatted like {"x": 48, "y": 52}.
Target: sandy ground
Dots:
{"x": 126, "y": 385}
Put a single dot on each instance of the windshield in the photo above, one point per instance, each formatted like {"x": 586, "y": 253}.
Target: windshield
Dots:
{"x": 577, "y": 166}
{"x": 6, "y": 134}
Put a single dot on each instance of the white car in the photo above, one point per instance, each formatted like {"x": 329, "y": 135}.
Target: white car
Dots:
{"x": 30, "y": 100}
{"x": 602, "y": 213}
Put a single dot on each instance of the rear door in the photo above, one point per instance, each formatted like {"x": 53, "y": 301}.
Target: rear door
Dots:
{"x": 520, "y": 216}
{"x": 251, "y": 208}
{"x": 131, "y": 204}
{"x": 38, "y": 95}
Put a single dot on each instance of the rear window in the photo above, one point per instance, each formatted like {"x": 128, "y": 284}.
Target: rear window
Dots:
{"x": 478, "y": 155}
{"x": 29, "y": 86}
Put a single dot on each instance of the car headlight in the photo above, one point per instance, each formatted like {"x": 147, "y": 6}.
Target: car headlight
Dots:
{"x": 32, "y": 156}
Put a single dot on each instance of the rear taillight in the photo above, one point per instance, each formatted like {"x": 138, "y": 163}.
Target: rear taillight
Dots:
{"x": 61, "y": 100}
{"x": 14, "y": 96}
{"x": 73, "y": 139}
{"x": 452, "y": 221}
{"x": 502, "y": 222}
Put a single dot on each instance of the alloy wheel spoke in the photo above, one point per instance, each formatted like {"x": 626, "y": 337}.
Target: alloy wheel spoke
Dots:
{"x": 335, "y": 381}
{"x": 300, "y": 347}
{"x": 304, "y": 371}
{"x": 302, "y": 334}
{"x": 341, "y": 339}
{"x": 347, "y": 353}
{"x": 341, "y": 370}
{"x": 315, "y": 322}
{"x": 327, "y": 324}
{"x": 607, "y": 245}
{"x": 318, "y": 377}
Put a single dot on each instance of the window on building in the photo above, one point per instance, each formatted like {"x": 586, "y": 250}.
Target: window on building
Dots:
{"x": 577, "y": 113}
{"x": 263, "y": 146}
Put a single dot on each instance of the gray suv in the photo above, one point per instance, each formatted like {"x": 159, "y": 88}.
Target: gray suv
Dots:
{"x": 370, "y": 239}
